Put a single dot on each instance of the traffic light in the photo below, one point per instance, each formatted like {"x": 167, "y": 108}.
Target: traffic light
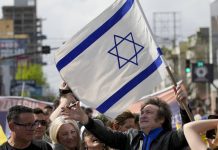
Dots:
{"x": 46, "y": 49}
{"x": 187, "y": 66}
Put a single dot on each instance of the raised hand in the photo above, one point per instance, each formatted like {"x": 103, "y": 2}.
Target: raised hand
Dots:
{"x": 75, "y": 113}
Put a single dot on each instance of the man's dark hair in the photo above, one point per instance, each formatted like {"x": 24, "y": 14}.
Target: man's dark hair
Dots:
{"x": 15, "y": 111}
{"x": 164, "y": 112}
{"x": 121, "y": 118}
{"x": 48, "y": 107}
{"x": 136, "y": 120}
{"x": 38, "y": 111}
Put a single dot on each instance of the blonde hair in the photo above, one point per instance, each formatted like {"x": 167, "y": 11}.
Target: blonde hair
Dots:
{"x": 55, "y": 126}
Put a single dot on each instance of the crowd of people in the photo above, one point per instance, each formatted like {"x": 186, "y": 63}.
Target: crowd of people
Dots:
{"x": 69, "y": 126}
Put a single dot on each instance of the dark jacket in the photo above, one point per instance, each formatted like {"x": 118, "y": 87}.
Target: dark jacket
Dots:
{"x": 133, "y": 139}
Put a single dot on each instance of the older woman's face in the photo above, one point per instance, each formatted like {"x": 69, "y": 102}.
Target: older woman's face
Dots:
{"x": 67, "y": 136}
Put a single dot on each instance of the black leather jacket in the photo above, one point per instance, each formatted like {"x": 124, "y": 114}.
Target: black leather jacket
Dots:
{"x": 132, "y": 139}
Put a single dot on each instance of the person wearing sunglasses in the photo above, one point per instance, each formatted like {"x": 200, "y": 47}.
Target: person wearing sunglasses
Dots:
{"x": 41, "y": 124}
{"x": 22, "y": 124}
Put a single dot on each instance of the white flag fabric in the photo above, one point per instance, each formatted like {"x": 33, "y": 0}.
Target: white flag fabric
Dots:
{"x": 113, "y": 61}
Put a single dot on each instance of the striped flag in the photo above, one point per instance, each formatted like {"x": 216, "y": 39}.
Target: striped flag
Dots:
{"x": 113, "y": 61}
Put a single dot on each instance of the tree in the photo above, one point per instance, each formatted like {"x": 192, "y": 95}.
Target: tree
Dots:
{"x": 31, "y": 72}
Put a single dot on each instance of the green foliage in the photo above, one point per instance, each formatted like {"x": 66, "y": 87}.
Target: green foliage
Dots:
{"x": 30, "y": 72}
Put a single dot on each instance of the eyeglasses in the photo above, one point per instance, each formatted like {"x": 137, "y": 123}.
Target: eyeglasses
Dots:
{"x": 28, "y": 126}
{"x": 41, "y": 122}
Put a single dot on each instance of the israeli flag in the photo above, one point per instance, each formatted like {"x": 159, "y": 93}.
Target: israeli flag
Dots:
{"x": 113, "y": 61}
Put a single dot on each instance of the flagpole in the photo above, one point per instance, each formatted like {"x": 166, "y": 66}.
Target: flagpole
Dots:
{"x": 184, "y": 105}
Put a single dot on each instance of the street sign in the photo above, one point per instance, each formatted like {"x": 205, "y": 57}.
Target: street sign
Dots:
{"x": 27, "y": 82}
{"x": 18, "y": 85}
{"x": 202, "y": 73}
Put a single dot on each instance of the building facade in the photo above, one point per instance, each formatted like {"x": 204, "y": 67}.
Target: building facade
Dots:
{"x": 214, "y": 36}
{"x": 25, "y": 20}
{"x": 20, "y": 34}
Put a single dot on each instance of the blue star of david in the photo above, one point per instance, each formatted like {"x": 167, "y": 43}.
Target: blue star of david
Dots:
{"x": 126, "y": 50}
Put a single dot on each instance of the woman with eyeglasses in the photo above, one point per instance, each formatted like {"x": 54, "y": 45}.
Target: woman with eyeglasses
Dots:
{"x": 66, "y": 133}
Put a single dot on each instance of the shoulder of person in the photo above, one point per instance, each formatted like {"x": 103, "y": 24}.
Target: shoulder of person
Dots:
{"x": 58, "y": 147}
{"x": 133, "y": 132}
{"x": 174, "y": 135}
{"x": 43, "y": 145}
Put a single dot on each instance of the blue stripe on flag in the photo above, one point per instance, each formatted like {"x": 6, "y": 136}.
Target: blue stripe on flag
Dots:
{"x": 159, "y": 51}
{"x": 95, "y": 35}
{"x": 129, "y": 86}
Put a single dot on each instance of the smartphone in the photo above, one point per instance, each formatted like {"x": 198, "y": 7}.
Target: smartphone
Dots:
{"x": 72, "y": 104}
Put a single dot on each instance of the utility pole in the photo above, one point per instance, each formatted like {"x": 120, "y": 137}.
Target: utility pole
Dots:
{"x": 166, "y": 30}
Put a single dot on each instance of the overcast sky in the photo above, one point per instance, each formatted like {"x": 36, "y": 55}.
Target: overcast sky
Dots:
{"x": 63, "y": 18}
